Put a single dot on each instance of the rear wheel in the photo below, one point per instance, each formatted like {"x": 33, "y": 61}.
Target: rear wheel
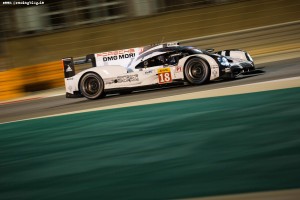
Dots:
{"x": 196, "y": 71}
{"x": 92, "y": 86}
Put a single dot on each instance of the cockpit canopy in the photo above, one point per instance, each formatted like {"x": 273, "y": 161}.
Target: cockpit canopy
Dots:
{"x": 162, "y": 56}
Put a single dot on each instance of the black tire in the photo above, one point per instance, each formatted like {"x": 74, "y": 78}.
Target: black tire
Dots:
{"x": 92, "y": 86}
{"x": 196, "y": 71}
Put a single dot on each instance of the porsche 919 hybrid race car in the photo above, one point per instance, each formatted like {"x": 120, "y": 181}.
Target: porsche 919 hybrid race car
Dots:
{"x": 123, "y": 71}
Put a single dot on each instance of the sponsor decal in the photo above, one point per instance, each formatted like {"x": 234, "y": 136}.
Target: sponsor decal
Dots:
{"x": 116, "y": 53}
{"x": 119, "y": 57}
{"x": 178, "y": 69}
{"x": 122, "y": 79}
{"x": 170, "y": 44}
{"x": 128, "y": 78}
{"x": 164, "y": 75}
{"x": 122, "y": 56}
{"x": 69, "y": 69}
{"x": 149, "y": 72}
{"x": 164, "y": 70}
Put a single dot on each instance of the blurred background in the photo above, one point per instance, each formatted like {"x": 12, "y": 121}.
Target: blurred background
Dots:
{"x": 184, "y": 149}
{"x": 35, "y": 37}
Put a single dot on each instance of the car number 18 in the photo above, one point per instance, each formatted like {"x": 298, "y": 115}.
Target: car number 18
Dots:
{"x": 164, "y": 75}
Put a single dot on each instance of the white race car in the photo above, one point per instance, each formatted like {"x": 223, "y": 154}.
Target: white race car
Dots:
{"x": 126, "y": 70}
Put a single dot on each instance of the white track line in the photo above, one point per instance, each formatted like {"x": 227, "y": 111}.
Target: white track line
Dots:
{"x": 241, "y": 89}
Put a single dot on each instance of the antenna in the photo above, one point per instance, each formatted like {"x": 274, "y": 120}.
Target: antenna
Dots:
{"x": 162, "y": 40}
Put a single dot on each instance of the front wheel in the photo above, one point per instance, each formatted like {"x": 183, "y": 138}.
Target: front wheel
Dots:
{"x": 196, "y": 71}
{"x": 91, "y": 86}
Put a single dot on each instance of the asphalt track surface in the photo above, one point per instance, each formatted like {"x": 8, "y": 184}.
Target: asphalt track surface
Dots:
{"x": 60, "y": 104}
{"x": 193, "y": 148}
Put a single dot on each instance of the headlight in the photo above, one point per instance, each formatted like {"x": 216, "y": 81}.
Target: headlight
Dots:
{"x": 250, "y": 58}
{"x": 223, "y": 61}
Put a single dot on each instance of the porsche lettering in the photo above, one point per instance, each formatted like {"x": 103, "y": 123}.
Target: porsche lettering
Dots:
{"x": 114, "y": 53}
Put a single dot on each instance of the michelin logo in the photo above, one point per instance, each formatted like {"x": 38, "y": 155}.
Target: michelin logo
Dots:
{"x": 148, "y": 72}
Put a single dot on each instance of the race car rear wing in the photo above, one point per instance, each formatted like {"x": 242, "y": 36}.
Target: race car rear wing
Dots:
{"x": 70, "y": 62}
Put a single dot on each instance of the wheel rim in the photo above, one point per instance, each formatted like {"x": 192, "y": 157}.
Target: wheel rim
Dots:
{"x": 197, "y": 71}
{"x": 91, "y": 86}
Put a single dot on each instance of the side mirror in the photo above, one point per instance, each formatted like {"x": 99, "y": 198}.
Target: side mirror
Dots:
{"x": 210, "y": 50}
